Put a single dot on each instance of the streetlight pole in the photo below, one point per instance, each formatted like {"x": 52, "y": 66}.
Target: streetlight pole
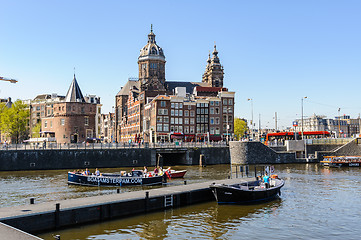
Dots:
{"x": 302, "y": 115}
{"x": 250, "y": 99}
{"x": 339, "y": 127}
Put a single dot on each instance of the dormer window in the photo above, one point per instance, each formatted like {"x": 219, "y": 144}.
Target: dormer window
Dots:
{"x": 154, "y": 51}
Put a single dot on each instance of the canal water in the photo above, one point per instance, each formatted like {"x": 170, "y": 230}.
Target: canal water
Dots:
{"x": 316, "y": 203}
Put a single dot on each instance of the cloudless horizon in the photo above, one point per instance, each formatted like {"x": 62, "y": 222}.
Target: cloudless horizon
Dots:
{"x": 274, "y": 52}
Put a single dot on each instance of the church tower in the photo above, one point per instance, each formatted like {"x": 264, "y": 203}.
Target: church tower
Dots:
{"x": 151, "y": 63}
{"x": 213, "y": 75}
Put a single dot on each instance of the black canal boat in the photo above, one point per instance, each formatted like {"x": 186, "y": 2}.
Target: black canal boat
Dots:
{"x": 109, "y": 179}
{"x": 247, "y": 192}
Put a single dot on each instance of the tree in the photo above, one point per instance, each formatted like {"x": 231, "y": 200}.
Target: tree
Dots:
{"x": 35, "y": 132}
{"x": 240, "y": 127}
{"x": 14, "y": 121}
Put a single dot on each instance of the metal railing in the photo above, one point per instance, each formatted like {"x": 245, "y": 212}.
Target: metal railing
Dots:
{"x": 68, "y": 146}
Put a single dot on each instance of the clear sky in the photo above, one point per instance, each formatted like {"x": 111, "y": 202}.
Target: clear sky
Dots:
{"x": 275, "y": 52}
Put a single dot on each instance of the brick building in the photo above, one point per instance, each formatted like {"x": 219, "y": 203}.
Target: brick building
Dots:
{"x": 152, "y": 109}
{"x": 73, "y": 120}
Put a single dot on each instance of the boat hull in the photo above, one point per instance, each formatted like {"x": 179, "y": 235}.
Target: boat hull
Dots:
{"x": 178, "y": 174}
{"x": 112, "y": 180}
{"x": 235, "y": 194}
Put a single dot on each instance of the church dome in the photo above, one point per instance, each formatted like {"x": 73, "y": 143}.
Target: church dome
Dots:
{"x": 151, "y": 50}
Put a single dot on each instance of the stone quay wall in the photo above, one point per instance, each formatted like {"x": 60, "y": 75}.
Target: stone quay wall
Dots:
{"x": 47, "y": 159}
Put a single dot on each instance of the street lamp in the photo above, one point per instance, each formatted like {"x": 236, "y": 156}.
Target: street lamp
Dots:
{"x": 339, "y": 127}
{"x": 302, "y": 115}
{"x": 250, "y": 99}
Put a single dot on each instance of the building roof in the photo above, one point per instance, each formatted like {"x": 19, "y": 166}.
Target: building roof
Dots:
{"x": 74, "y": 93}
{"x": 151, "y": 50}
{"x": 124, "y": 91}
{"x": 210, "y": 89}
{"x": 188, "y": 85}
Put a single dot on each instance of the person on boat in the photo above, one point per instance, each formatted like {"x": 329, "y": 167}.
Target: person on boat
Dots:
{"x": 145, "y": 170}
{"x": 150, "y": 174}
{"x": 160, "y": 171}
{"x": 97, "y": 172}
{"x": 266, "y": 180}
{"x": 86, "y": 172}
{"x": 156, "y": 171}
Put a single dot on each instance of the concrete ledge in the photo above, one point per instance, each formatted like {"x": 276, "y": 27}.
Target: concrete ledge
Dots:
{"x": 10, "y": 233}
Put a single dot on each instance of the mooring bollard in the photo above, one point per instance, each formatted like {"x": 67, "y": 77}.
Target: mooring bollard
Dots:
{"x": 146, "y": 195}
{"x": 32, "y": 200}
{"x": 185, "y": 182}
{"x": 118, "y": 190}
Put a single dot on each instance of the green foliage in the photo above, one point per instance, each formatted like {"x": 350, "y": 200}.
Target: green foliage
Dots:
{"x": 240, "y": 127}
{"x": 14, "y": 121}
{"x": 35, "y": 133}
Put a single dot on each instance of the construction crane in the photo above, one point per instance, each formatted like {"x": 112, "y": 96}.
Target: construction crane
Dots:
{"x": 8, "y": 79}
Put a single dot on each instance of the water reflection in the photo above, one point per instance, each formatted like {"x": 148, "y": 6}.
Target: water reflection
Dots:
{"x": 206, "y": 221}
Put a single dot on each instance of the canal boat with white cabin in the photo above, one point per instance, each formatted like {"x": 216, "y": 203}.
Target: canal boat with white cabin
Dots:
{"x": 341, "y": 161}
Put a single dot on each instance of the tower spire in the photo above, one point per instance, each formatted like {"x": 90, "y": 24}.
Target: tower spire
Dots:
{"x": 151, "y": 27}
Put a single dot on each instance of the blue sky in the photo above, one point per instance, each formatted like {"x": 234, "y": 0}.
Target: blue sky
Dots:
{"x": 275, "y": 52}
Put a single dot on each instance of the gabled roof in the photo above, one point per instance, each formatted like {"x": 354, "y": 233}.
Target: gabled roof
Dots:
{"x": 74, "y": 93}
{"x": 124, "y": 91}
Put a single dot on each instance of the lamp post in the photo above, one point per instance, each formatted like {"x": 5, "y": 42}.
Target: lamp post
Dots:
{"x": 250, "y": 99}
{"x": 339, "y": 127}
{"x": 302, "y": 115}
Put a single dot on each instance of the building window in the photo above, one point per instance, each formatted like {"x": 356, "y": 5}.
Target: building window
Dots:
{"x": 224, "y": 101}
{"x": 180, "y": 113}
{"x": 198, "y": 110}
{"x": 176, "y": 113}
{"x": 180, "y": 120}
{"x": 159, "y": 127}
{"x": 89, "y": 133}
{"x": 51, "y": 124}
{"x": 211, "y": 110}
{"x": 186, "y": 121}
{"x": 216, "y": 103}
{"x": 62, "y": 121}
{"x": 189, "y": 107}
{"x": 172, "y": 128}
{"x": 172, "y": 105}
{"x": 230, "y": 101}
{"x": 212, "y": 130}
{"x": 211, "y": 103}
{"x": 206, "y": 105}
{"x": 166, "y": 128}
{"x": 217, "y": 120}
{"x": 191, "y": 130}
{"x": 192, "y": 113}
{"x": 191, "y": 120}
{"x": 176, "y": 105}
{"x": 176, "y": 128}
{"x": 86, "y": 121}
{"x": 45, "y": 124}
{"x": 159, "y": 119}
{"x": 224, "y": 109}
{"x": 217, "y": 131}
{"x": 186, "y": 113}
{"x": 171, "y": 120}
{"x": 180, "y": 129}
{"x": 172, "y": 112}
{"x": 186, "y": 129}
{"x": 176, "y": 121}
{"x": 162, "y": 103}
{"x": 180, "y": 105}
{"x": 166, "y": 119}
